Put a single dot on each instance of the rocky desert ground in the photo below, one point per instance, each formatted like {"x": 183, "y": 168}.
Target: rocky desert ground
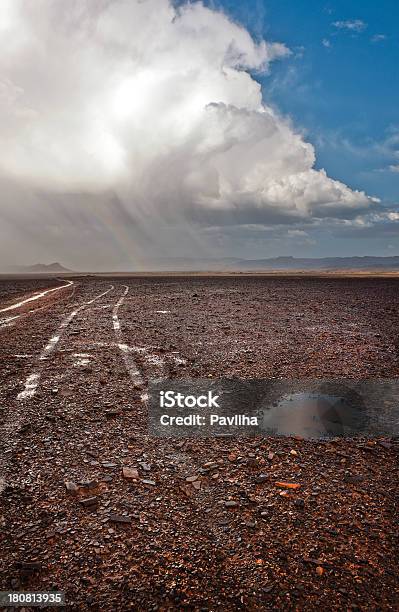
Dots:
{"x": 92, "y": 505}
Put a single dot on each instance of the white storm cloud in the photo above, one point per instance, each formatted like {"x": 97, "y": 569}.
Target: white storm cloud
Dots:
{"x": 158, "y": 105}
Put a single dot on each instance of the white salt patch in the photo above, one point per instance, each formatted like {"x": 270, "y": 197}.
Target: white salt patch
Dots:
{"x": 30, "y": 386}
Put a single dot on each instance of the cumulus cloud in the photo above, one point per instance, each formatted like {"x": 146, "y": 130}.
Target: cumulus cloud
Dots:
{"x": 141, "y": 115}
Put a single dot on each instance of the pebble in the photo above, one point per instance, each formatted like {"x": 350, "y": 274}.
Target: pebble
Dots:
{"x": 130, "y": 473}
{"x": 230, "y": 504}
{"x": 89, "y": 501}
{"x": 119, "y": 518}
{"x": 71, "y": 487}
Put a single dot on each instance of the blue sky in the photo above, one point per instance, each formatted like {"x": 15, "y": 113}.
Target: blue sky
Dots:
{"x": 341, "y": 83}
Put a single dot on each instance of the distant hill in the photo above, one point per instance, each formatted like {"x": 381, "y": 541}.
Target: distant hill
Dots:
{"x": 53, "y": 268}
{"x": 368, "y": 262}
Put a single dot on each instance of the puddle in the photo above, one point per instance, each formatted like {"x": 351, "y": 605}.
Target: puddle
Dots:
{"x": 313, "y": 415}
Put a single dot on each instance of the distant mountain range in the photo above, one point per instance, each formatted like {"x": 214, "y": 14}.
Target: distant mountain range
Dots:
{"x": 53, "y": 268}
{"x": 277, "y": 263}
{"x": 227, "y": 264}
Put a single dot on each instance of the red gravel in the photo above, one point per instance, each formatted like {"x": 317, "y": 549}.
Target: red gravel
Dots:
{"x": 230, "y": 538}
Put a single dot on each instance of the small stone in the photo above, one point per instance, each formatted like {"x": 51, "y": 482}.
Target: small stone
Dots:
{"x": 192, "y": 478}
{"x": 71, "y": 487}
{"x": 130, "y": 473}
{"x": 152, "y": 483}
{"x": 119, "y": 518}
{"x": 230, "y": 504}
{"x": 288, "y": 485}
{"x": 353, "y": 478}
{"x": 293, "y": 452}
{"x": 210, "y": 465}
{"x": 29, "y": 566}
{"x": 197, "y": 485}
{"x": 261, "y": 478}
{"x": 232, "y": 457}
{"x": 89, "y": 502}
{"x": 111, "y": 413}
{"x": 89, "y": 484}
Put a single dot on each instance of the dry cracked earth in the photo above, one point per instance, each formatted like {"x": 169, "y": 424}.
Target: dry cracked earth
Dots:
{"x": 93, "y": 506}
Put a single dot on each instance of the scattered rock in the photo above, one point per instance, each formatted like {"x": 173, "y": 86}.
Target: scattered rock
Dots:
{"x": 353, "y": 478}
{"x": 29, "y": 567}
{"x": 119, "y": 518}
{"x": 130, "y": 473}
{"x": 89, "y": 502}
{"x": 230, "y": 504}
{"x": 72, "y": 488}
{"x": 89, "y": 484}
{"x": 288, "y": 485}
{"x": 210, "y": 465}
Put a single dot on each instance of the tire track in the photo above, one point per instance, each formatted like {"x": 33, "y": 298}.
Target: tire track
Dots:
{"x": 131, "y": 366}
{"x": 37, "y": 296}
{"x": 33, "y": 380}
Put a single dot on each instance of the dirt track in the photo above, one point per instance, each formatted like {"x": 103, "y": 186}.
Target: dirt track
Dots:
{"x": 332, "y": 544}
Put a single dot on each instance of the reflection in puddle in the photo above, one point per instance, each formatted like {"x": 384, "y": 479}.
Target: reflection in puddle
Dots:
{"x": 312, "y": 415}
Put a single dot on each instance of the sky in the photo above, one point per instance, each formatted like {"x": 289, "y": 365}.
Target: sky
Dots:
{"x": 133, "y": 130}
